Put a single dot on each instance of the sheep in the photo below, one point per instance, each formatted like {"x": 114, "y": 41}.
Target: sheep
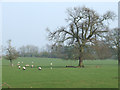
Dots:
{"x": 27, "y": 65}
{"x": 19, "y": 67}
{"x": 31, "y": 66}
{"x": 51, "y": 63}
{"x": 39, "y": 68}
{"x": 24, "y": 68}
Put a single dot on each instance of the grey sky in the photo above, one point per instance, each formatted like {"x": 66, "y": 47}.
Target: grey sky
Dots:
{"x": 26, "y": 23}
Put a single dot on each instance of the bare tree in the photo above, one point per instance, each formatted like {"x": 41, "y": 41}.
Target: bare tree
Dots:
{"x": 11, "y": 53}
{"x": 102, "y": 50}
{"x": 112, "y": 38}
{"x": 84, "y": 27}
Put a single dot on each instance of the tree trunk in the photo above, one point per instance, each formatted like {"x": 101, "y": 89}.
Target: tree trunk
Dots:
{"x": 80, "y": 62}
{"x": 11, "y": 62}
{"x": 119, "y": 57}
{"x": 80, "y": 57}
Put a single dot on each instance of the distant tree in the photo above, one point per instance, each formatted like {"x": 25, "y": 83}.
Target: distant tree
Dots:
{"x": 11, "y": 53}
{"x": 44, "y": 54}
{"x": 29, "y": 51}
{"x": 84, "y": 27}
{"x": 112, "y": 38}
{"x": 102, "y": 50}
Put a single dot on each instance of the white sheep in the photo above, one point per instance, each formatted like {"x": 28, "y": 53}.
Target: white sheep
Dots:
{"x": 27, "y": 65}
{"x": 19, "y": 67}
{"x": 51, "y": 64}
{"x": 24, "y": 68}
{"x": 39, "y": 68}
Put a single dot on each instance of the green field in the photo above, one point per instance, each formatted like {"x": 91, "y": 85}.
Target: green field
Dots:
{"x": 105, "y": 75}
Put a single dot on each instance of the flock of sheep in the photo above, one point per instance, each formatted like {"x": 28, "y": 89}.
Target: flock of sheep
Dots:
{"x": 27, "y": 65}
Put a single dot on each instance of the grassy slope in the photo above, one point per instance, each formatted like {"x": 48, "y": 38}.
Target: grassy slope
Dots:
{"x": 59, "y": 77}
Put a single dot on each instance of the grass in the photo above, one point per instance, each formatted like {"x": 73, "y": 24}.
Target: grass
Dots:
{"x": 105, "y": 76}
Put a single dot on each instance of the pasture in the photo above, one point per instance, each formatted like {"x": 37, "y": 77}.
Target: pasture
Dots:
{"x": 96, "y": 74}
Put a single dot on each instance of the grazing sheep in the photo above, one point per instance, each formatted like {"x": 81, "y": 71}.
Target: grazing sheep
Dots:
{"x": 24, "y": 68}
{"x": 51, "y": 63}
{"x": 27, "y": 65}
{"x": 39, "y": 68}
{"x": 19, "y": 67}
{"x": 31, "y": 66}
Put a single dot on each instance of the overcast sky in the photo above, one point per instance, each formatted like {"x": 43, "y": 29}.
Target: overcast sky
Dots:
{"x": 26, "y": 23}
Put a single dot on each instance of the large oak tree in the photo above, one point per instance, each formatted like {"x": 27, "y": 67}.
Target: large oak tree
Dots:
{"x": 84, "y": 27}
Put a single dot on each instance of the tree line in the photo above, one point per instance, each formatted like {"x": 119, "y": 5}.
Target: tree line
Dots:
{"x": 102, "y": 49}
